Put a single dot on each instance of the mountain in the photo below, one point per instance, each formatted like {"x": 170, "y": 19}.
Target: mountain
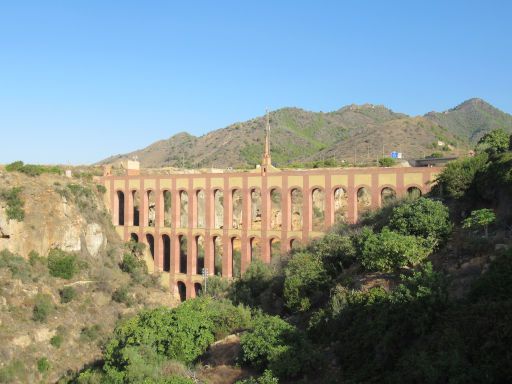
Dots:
{"x": 472, "y": 119}
{"x": 364, "y": 132}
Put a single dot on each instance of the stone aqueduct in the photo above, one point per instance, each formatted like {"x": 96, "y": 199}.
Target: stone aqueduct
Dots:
{"x": 222, "y": 221}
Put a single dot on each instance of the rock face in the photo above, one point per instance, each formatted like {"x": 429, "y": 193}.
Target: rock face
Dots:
{"x": 52, "y": 219}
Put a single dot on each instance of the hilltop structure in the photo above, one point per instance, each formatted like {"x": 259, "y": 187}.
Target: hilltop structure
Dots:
{"x": 220, "y": 222}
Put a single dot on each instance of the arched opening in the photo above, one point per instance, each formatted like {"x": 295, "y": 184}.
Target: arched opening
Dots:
{"x": 183, "y": 209}
{"x": 151, "y": 244}
{"x": 167, "y": 209}
{"x": 151, "y": 208}
{"x": 134, "y": 237}
{"x": 413, "y": 193}
{"x": 236, "y": 256}
{"x": 166, "y": 243}
{"x": 200, "y": 209}
{"x": 275, "y": 251}
{"x": 318, "y": 211}
{"x": 198, "y": 288}
{"x": 364, "y": 201}
{"x": 276, "y": 214}
{"x": 387, "y": 196}
{"x": 136, "y": 208}
{"x": 218, "y": 198}
{"x": 294, "y": 244}
{"x": 120, "y": 208}
{"x": 255, "y": 249}
{"x": 296, "y": 209}
{"x": 236, "y": 222}
{"x": 340, "y": 205}
{"x": 200, "y": 254}
{"x": 183, "y": 254}
{"x": 255, "y": 209}
{"x": 217, "y": 255}
{"x": 182, "y": 290}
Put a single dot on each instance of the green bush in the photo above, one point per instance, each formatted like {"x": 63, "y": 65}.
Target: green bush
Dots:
{"x": 43, "y": 365}
{"x": 122, "y": 295}
{"x": 14, "y": 371}
{"x": 43, "y": 307}
{"x": 387, "y": 162}
{"x": 62, "y": 264}
{"x": 305, "y": 281}
{"x": 494, "y": 142}
{"x": 422, "y": 217}
{"x": 18, "y": 266}
{"x": 387, "y": 251}
{"x": 266, "y": 378}
{"x": 31, "y": 169}
{"x": 89, "y": 334}
{"x": 101, "y": 189}
{"x": 34, "y": 258}
{"x": 14, "y": 202}
{"x": 67, "y": 294}
{"x": 56, "y": 341}
{"x": 277, "y": 345}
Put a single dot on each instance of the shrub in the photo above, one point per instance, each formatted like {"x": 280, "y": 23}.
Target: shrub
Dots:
{"x": 43, "y": 365}
{"x": 67, "y": 294}
{"x": 101, "y": 189}
{"x": 56, "y": 341}
{"x": 422, "y": 217}
{"x": 266, "y": 378}
{"x": 14, "y": 202}
{"x": 251, "y": 287}
{"x": 16, "y": 264}
{"x": 34, "y": 258}
{"x": 276, "y": 344}
{"x": 122, "y": 295}
{"x": 62, "y": 264}
{"x": 305, "y": 280}
{"x": 480, "y": 218}
{"x": 387, "y": 162}
{"x": 43, "y": 307}
{"x": 387, "y": 251}
{"x": 31, "y": 169}
{"x": 494, "y": 142}
{"x": 91, "y": 333}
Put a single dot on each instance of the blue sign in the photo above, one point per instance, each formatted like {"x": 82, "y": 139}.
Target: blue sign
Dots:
{"x": 394, "y": 155}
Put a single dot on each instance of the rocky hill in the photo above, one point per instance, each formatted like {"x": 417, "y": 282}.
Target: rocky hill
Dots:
{"x": 61, "y": 288}
{"x": 356, "y": 132}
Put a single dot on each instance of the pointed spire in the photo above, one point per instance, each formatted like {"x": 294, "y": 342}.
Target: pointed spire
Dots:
{"x": 266, "y": 161}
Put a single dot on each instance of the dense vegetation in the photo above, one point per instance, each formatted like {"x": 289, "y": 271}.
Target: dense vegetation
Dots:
{"x": 368, "y": 303}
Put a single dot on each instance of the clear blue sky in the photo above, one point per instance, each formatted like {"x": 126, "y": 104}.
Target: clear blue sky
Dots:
{"x": 82, "y": 80}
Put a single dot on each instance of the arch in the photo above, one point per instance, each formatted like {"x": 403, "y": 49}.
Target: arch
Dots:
{"x": 166, "y": 249}
{"x": 151, "y": 244}
{"x": 199, "y": 254}
{"x": 275, "y": 250}
{"x": 294, "y": 243}
{"x": 296, "y": 206}
{"x": 167, "y": 197}
{"x": 387, "y": 196}
{"x": 134, "y": 237}
{"x": 237, "y": 200}
{"x": 318, "y": 209}
{"x": 413, "y": 192}
{"x": 218, "y": 203}
{"x": 217, "y": 255}
{"x": 364, "y": 201}
{"x": 276, "y": 213}
{"x": 183, "y": 254}
{"x": 151, "y": 209}
{"x": 182, "y": 290}
{"x": 255, "y": 248}
{"x": 200, "y": 209}
{"x": 120, "y": 207}
{"x": 256, "y": 208}
{"x": 136, "y": 208}
{"x": 183, "y": 209}
{"x": 340, "y": 205}
{"x": 198, "y": 288}
{"x": 236, "y": 257}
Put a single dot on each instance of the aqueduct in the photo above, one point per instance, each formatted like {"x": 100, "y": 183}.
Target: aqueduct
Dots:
{"x": 222, "y": 221}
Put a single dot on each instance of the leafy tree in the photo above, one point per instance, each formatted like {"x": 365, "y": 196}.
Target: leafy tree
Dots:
{"x": 422, "y": 217}
{"x": 305, "y": 279}
{"x": 62, "y": 264}
{"x": 387, "y": 251}
{"x": 480, "y": 218}
{"x": 494, "y": 142}
{"x": 336, "y": 251}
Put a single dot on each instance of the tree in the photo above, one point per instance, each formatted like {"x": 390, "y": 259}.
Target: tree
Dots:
{"x": 494, "y": 142}
{"x": 422, "y": 217}
{"x": 480, "y": 218}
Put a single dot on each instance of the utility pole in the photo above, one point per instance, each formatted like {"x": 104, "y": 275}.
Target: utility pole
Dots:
{"x": 205, "y": 277}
